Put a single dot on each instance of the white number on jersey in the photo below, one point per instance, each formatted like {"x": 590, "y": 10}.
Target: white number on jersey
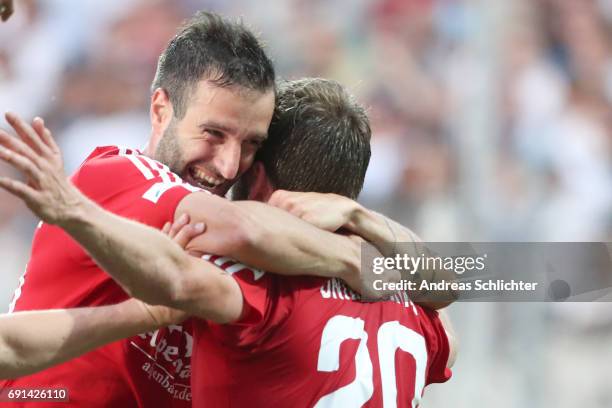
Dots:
{"x": 357, "y": 393}
{"x": 391, "y": 337}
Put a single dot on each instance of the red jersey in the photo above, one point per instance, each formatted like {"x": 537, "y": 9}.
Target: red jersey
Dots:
{"x": 304, "y": 342}
{"x": 152, "y": 369}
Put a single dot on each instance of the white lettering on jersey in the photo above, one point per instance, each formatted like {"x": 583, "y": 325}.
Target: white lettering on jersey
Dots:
{"x": 336, "y": 289}
{"x": 146, "y": 172}
{"x": 164, "y": 352}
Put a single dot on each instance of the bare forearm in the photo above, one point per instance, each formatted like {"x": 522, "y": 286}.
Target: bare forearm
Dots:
{"x": 145, "y": 262}
{"x": 152, "y": 267}
{"x": 278, "y": 242}
{"x": 32, "y": 341}
{"x": 288, "y": 245}
{"x": 379, "y": 229}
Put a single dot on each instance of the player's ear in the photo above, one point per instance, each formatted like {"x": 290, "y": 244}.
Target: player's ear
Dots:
{"x": 161, "y": 111}
{"x": 261, "y": 188}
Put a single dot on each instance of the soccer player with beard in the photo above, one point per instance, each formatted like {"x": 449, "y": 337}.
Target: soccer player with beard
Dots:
{"x": 266, "y": 340}
{"x": 212, "y": 102}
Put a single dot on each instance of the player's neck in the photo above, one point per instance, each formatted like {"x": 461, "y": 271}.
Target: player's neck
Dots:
{"x": 148, "y": 150}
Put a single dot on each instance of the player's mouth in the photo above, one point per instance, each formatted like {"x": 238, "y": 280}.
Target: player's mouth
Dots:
{"x": 200, "y": 178}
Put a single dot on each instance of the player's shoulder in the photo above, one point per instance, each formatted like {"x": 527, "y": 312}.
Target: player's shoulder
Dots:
{"x": 105, "y": 152}
{"x": 114, "y": 156}
{"x": 115, "y": 163}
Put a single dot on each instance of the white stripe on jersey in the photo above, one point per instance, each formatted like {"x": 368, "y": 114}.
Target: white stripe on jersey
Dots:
{"x": 173, "y": 177}
{"x": 146, "y": 172}
{"x": 155, "y": 165}
{"x": 147, "y": 167}
{"x": 220, "y": 261}
{"x": 234, "y": 266}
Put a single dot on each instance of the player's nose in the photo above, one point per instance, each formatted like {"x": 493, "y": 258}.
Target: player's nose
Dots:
{"x": 228, "y": 160}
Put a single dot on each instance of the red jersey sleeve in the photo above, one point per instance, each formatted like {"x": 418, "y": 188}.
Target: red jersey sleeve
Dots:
{"x": 132, "y": 181}
{"x": 438, "y": 346}
{"x": 265, "y": 304}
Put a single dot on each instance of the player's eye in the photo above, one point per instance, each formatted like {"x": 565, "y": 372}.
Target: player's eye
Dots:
{"x": 217, "y": 134}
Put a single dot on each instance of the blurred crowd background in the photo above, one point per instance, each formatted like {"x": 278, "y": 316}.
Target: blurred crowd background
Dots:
{"x": 491, "y": 122}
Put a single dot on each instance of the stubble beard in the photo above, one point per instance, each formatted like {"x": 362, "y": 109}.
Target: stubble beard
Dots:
{"x": 169, "y": 150}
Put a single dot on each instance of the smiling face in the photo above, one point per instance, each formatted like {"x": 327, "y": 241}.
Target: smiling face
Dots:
{"x": 216, "y": 140}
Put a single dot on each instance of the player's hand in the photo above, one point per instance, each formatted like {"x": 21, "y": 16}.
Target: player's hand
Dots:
{"x": 6, "y": 9}
{"x": 365, "y": 282}
{"x": 40, "y": 141}
{"x": 46, "y": 190}
{"x": 182, "y": 232}
{"x": 329, "y": 212}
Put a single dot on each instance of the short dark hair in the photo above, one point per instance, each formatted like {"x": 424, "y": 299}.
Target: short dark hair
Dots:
{"x": 209, "y": 46}
{"x": 319, "y": 139}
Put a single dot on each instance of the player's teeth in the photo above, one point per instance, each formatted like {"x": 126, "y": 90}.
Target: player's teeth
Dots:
{"x": 202, "y": 176}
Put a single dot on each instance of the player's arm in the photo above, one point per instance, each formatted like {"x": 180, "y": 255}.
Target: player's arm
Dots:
{"x": 152, "y": 267}
{"x": 271, "y": 239}
{"x": 34, "y": 340}
{"x": 384, "y": 233}
{"x": 333, "y": 212}
{"x": 145, "y": 262}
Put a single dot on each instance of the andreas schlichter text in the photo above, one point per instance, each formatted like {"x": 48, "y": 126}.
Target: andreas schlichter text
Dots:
{"x": 479, "y": 284}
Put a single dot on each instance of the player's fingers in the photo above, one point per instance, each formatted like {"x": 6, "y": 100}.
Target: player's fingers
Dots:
{"x": 18, "y": 189}
{"x": 56, "y": 154}
{"x": 188, "y": 232}
{"x": 15, "y": 144}
{"x": 27, "y": 134}
{"x": 166, "y": 228}
{"x": 276, "y": 198}
{"x": 39, "y": 127}
{"x": 21, "y": 163}
{"x": 281, "y": 199}
{"x": 292, "y": 202}
{"x": 48, "y": 139}
{"x": 179, "y": 223}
